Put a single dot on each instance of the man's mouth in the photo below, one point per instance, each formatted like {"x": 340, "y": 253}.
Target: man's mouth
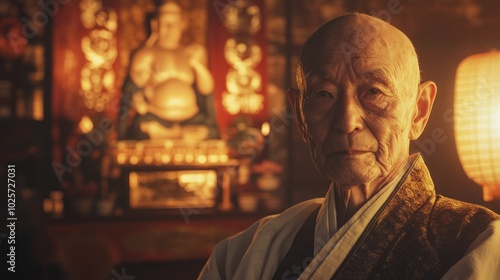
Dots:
{"x": 349, "y": 152}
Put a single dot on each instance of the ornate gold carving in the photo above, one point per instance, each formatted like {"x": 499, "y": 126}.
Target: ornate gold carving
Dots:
{"x": 243, "y": 83}
{"x": 97, "y": 77}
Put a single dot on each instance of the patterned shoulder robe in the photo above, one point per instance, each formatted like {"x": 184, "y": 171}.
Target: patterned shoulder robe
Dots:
{"x": 411, "y": 234}
{"x": 417, "y": 235}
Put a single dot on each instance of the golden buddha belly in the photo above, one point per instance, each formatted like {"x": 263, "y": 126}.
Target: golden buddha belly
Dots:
{"x": 174, "y": 100}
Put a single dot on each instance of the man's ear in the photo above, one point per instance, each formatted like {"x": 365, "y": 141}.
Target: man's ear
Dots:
{"x": 426, "y": 95}
{"x": 294, "y": 98}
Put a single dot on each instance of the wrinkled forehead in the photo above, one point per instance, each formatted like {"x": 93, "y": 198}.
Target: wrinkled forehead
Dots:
{"x": 355, "y": 59}
{"x": 356, "y": 45}
{"x": 369, "y": 63}
{"x": 354, "y": 37}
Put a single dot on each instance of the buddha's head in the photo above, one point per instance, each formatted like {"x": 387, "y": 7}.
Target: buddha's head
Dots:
{"x": 170, "y": 24}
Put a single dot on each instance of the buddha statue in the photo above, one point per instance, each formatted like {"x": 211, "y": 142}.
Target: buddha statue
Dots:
{"x": 169, "y": 88}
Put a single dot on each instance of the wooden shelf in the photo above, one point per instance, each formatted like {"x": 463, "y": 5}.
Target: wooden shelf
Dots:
{"x": 88, "y": 248}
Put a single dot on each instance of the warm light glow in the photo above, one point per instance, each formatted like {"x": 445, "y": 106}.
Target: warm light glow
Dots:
{"x": 213, "y": 158}
{"x": 170, "y": 152}
{"x": 48, "y": 205}
{"x": 265, "y": 129}
{"x": 134, "y": 160}
{"x": 189, "y": 158}
{"x": 200, "y": 182}
{"x": 246, "y": 103}
{"x": 243, "y": 54}
{"x": 173, "y": 189}
{"x": 201, "y": 159}
{"x": 179, "y": 158}
{"x": 121, "y": 158}
{"x": 148, "y": 159}
{"x": 165, "y": 158}
{"x": 477, "y": 120}
{"x": 38, "y": 104}
{"x": 224, "y": 158}
{"x": 174, "y": 100}
{"x": 97, "y": 77}
{"x": 86, "y": 125}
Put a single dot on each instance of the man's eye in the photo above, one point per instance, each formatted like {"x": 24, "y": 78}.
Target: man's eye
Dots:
{"x": 324, "y": 94}
{"x": 374, "y": 91}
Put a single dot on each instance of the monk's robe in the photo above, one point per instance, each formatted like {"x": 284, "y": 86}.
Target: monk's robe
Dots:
{"x": 405, "y": 231}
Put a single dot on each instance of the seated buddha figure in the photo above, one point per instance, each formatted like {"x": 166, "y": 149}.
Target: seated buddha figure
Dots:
{"x": 169, "y": 86}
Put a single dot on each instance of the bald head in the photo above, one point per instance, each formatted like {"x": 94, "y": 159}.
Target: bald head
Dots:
{"x": 356, "y": 38}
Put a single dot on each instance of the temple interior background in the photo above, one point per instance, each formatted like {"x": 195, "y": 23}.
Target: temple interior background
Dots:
{"x": 104, "y": 189}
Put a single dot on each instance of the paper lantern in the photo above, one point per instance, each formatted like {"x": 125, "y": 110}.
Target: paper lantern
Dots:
{"x": 477, "y": 120}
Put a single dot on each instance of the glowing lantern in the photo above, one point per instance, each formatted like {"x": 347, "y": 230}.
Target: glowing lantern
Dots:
{"x": 477, "y": 120}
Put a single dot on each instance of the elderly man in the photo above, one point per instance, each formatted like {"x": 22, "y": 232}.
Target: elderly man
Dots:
{"x": 360, "y": 101}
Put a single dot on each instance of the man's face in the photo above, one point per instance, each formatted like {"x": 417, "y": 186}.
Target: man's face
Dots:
{"x": 357, "y": 112}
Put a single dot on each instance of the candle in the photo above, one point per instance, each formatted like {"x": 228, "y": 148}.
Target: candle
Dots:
{"x": 265, "y": 130}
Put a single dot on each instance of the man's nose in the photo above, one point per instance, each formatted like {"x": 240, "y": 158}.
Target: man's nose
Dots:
{"x": 348, "y": 116}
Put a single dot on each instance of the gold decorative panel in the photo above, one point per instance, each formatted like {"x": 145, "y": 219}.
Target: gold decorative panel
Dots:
{"x": 97, "y": 77}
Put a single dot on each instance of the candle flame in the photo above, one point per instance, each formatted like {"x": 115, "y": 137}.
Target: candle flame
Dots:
{"x": 265, "y": 129}
{"x": 86, "y": 124}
